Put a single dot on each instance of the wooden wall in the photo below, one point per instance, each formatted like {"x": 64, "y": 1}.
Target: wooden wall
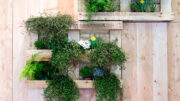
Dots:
{"x": 153, "y": 49}
{"x": 6, "y": 50}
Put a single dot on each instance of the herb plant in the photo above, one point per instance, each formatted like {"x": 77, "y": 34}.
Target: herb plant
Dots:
{"x": 152, "y": 6}
{"x": 61, "y": 88}
{"x": 107, "y": 87}
{"x": 31, "y": 67}
{"x": 86, "y": 72}
{"x": 107, "y": 55}
{"x": 99, "y": 6}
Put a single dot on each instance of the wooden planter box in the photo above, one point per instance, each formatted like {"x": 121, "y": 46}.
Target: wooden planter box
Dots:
{"x": 124, "y": 14}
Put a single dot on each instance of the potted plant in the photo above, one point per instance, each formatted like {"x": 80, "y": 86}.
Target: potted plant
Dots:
{"x": 86, "y": 73}
{"x": 98, "y": 72}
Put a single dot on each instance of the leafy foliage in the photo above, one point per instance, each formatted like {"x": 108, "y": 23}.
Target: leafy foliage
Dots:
{"x": 30, "y": 68}
{"x": 107, "y": 55}
{"x": 66, "y": 57}
{"x": 86, "y": 72}
{"x": 134, "y": 7}
{"x": 142, "y": 5}
{"x": 107, "y": 87}
{"x": 45, "y": 72}
{"x": 61, "y": 88}
{"x": 52, "y": 31}
{"x": 49, "y": 26}
{"x": 152, "y": 6}
{"x": 99, "y": 6}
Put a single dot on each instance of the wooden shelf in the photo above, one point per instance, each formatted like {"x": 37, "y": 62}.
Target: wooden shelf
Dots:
{"x": 129, "y": 16}
{"x": 46, "y": 54}
{"x": 41, "y": 84}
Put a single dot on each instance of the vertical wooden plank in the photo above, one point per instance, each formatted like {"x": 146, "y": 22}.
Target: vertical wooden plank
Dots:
{"x": 35, "y": 94}
{"x": 160, "y": 74}
{"x": 74, "y": 36}
{"x": 115, "y": 35}
{"x": 173, "y": 62}
{"x": 87, "y": 95}
{"x": 6, "y": 50}
{"x": 144, "y": 62}
{"x": 166, "y": 5}
{"x": 129, "y": 45}
{"x": 124, "y": 5}
{"x": 22, "y": 10}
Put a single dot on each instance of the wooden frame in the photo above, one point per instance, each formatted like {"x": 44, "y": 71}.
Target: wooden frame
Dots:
{"x": 74, "y": 35}
{"x": 164, "y": 15}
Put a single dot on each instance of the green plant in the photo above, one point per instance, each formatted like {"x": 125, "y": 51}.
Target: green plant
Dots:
{"x": 31, "y": 67}
{"x": 45, "y": 72}
{"x": 66, "y": 57}
{"x": 99, "y": 6}
{"x": 134, "y": 7}
{"x": 61, "y": 88}
{"x": 107, "y": 87}
{"x": 48, "y": 26}
{"x": 107, "y": 55}
{"x": 86, "y": 72}
{"x": 143, "y": 5}
{"x": 139, "y": 5}
{"x": 152, "y": 6}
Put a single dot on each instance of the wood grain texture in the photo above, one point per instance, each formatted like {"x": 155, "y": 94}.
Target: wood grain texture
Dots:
{"x": 42, "y": 84}
{"x": 160, "y": 74}
{"x": 173, "y": 62}
{"x": 146, "y": 47}
{"x": 144, "y": 62}
{"x": 129, "y": 45}
{"x": 6, "y": 50}
{"x": 129, "y": 16}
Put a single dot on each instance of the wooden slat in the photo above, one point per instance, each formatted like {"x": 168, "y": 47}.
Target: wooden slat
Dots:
{"x": 129, "y": 16}
{"x": 99, "y": 25}
{"x": 160, "y": 73}
{"x": 173, "y": 62}
{"x": 42, "y": 84}
{"x": 45, "y": 54}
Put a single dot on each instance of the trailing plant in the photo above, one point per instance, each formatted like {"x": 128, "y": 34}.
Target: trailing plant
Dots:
{"x": 67, "y": 57}
{"x": 86, "y": 72}
{"x": 99, "y": 6}
{"x": 49, "y": 26}
{"x": 61, "y": 88}
{"x": 107, "y": 87}
{"x": 107, "y": 55}
{"x": 31, "y": 67}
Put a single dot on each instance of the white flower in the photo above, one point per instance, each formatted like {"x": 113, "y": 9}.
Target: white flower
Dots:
{"x": 85, "y": 44}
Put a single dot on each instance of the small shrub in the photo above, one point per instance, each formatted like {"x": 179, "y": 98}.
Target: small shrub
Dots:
{"x": 86, "y": 72}
{"x": 107, "y": 55}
